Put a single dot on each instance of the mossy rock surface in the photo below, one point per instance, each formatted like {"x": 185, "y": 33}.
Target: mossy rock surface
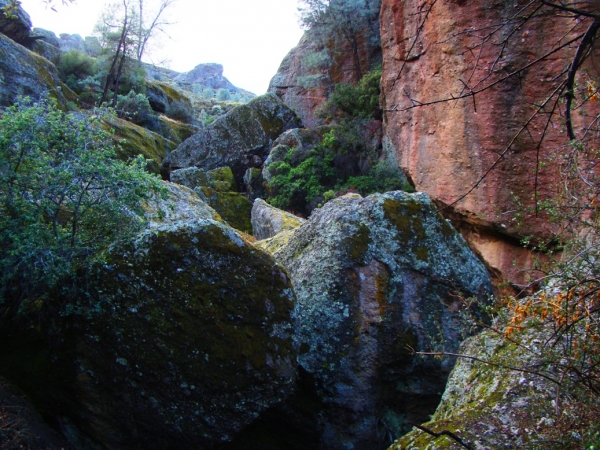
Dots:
{"x": 233, "y": 207}
{"x": 374, "y": 277}
{"x": 195, "y": 340}
{"x": 240, "y": 139}
{"x": 268, "y": 221}
{"x": 219, "y": 179}
{"x": 24, "y": 73}
{"x": 135, "y": 140}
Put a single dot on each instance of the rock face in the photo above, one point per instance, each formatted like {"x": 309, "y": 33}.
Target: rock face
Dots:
{"x": 268, "y": 221}
{"x": 447, "y": 148}
{"x": 16, "y": 25}
{"x": 292, "y": 85}
{"x": 495, "y": 408}
{"x": 186, "y": 341}
{"x": 241, "y": 139}
{"x": 373, "y": 277}
{"x": 24, "y": 73}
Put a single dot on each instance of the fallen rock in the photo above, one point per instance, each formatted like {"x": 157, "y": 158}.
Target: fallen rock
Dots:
{"x": 254, "y": 184}
{"x": 185, "y": 339}
{"x": 240, "y": 139}
{"x": 374, "y": 278}
{"x": 24, "y": 73}
{"x": 267, "y": 221}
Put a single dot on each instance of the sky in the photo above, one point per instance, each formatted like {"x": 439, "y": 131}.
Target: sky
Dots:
{"x": 249, "y": 38}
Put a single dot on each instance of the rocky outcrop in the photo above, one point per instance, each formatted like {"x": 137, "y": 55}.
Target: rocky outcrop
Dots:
{"x": 184, "y": 340}
{"x": 163, "y": 98}
{"x": 375, "y": 277}
{"x": 448, "y": 148}
{"x": 208, "y": 75}
{"x": 24, "y": 73}
{"x": 240, "y": 139}
{"x": 15, "y": 23}
{"x": 304, "y": 87}
{"x": 267, "y": 221}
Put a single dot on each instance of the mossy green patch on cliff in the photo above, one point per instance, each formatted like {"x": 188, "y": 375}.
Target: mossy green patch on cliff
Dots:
{"x": 233, "y": 207}
{"x": 358, "y": 243}
{"x": 406, "y": 217}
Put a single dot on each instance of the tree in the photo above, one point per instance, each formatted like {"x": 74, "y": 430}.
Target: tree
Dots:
{"x": 342, "y": 22}
{"x": 65, "y": 198}
{"x": 125, "y": 28}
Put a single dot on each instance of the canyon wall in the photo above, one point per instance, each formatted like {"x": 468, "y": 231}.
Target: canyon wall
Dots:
{"x": 475, "y": 150}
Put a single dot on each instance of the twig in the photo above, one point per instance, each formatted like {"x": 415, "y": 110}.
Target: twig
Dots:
{"x": 450, "y": 434}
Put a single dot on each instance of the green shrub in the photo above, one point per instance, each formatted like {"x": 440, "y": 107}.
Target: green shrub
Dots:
{"x": 356, "y": 102}
{"x": 223, "y": 95}
{"x": 136, "y": 108}
{"x": 75, "y": 64}
{"x": 181, "y": 111}
{"x": 65, "y": 198}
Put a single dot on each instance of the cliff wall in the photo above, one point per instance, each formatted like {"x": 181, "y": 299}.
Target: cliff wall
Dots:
{"x": 479, "y": 156}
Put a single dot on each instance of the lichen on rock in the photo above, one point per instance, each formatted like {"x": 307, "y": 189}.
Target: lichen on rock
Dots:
{"x": 268, "y": 221}
{"x": 375, "y": 277}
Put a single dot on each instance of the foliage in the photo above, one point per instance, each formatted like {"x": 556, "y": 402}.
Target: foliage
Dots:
{"x": 356, "y": 102}
{"x": 136, "y": 108}
{"x": 333, "y": 23}
{"x": 223, "y": 95}
{"x": 181, "y": 111}
{"x": 65, "y": 199}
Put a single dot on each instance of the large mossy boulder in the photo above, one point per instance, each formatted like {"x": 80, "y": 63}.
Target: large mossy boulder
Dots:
{"x": 240, "y": 139}
{"x": 375, "y": 278}
{"x": 134, "y": 140}
{"x": 184, "y": 339}
{"x": 24, "y": 73}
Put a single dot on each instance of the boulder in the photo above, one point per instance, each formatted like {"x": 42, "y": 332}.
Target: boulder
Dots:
{"x": 16, "y": 23}
{"x": 184, "y": 340}
{"x": 46, "y": 50}
{"x": 374, "y": 278}
{"x": 24, "y": 73}
{"x": 491, "y": 407}
{"x": 71, "y": 42}
{"x": 267, "y": 221}
{"x": 166, "y": 99}
{"x": 134, "y": 140}
{"x": 240, "y": 139}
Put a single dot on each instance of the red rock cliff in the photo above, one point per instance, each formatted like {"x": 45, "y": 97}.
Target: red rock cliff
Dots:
{"x": 435, "y": 50}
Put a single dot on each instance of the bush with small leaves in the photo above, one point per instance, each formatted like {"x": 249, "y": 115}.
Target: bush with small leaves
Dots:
{"x": 64, "y": 199}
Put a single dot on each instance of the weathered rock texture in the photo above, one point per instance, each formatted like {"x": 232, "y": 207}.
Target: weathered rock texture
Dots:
{"x": 492, "y": 407}
{"x": 218, "y": 189}
{"x": 185, "y": 341}
{"x": 305, "y": 99}
{"x": 241, "y": 139}
{"x": 267, "y": 221}
{"x": 24, "y": 73}
{"x": 448, "y": 148}
{"x": 208, "y": 75}
{"x": 374, "y": 276}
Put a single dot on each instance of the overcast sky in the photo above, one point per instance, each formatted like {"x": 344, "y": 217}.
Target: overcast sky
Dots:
{"x": 248, "y": 37}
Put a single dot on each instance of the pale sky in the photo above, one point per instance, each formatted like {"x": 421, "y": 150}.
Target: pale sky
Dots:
{"x": 248, "y": 37}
